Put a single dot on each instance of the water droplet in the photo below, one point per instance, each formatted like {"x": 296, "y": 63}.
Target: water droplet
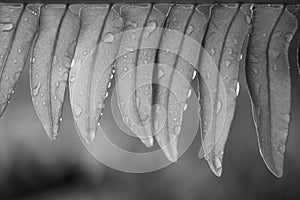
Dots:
{"x": 248, "y": 19}
{"x": 125, "y": 56}
{"x": 237, "y": 90}
{"x": 72, "y": 63}
{"x": 109, "y": 84}
{"x": 54, "y": 60}
{"x": 194, "y": 75}
{"x": 189, "y": 29}
{"x": 274, "y": 53}
{"x": 219, "y": 106}
{"x": 255, "y": 71}
{"x": 229, "y": 51}
{"x": 208, "y": 75}
{"x": 177, "y": 129}
{"x": 130, "y": 49}
{"x": 276, "y": 35}
{"x": 150, "y": 27}
{"x": 26, "y": 19}
{"x": 288, "y": 37}
{"x": 189, "y": 93}
{"x": 253, "y": 58}
{"x": 285, "y": 117}
{"x": 77, "y": 110}
{"x": 85, "y": 53}
{"x": 217, "y": 163}
{"x": 44, "y": 103}
{"x": 227, "y": 63}
{"x": 72, "y": 79}
{"x": 234, "y": 41}
{"x": 125, "y": 69}
{"x": 212, "y": 51}
{"x": 160, "y": 73}
{"x": 221, "y": 153}
{"x": 15, "y": 61}
{"x": 61, "y": 119}
{"x": 19, "y": 51}
{"x": 36, "y": 89}
{"x": 184, "y": 107}
{"x": 108, "y": 37}
{"x": 6, "y": 27}
{"x": 60, "y": 69}
{"x": 1, "y": 56}
{"x": 131, "y": 23}
{"x": 138, "y": 101}
{"x": 32, "y": 60}
{"x": 281, "y": 149}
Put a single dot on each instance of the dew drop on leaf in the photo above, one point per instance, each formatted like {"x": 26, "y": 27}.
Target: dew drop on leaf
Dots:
{"x": 77, "y": 110}
{"x": 6, "y": 27}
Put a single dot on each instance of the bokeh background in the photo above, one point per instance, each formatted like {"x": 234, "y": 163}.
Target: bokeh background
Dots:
{"x": 32, "y": 167}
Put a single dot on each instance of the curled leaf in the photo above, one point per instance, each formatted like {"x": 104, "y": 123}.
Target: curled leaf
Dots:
{"x": 83, "y": 66}
{"x": 145, "y": 66}
{"x": 10, "y": 17}
{"x": 268, "y": 79}
{"x": 50, "y": 63}
{"x": 227, "y": 31}
{"x": 135, "y": 18}
{"x": 169, "y": 49}
{"x": 184, "y": 72}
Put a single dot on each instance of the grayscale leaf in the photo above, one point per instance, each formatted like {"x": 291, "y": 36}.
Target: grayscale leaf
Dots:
{"x": 16, "y": 52}
{"x": 268, "y": 79}
{"x": 145, "y": 66}
{"x": 169, "y": 49}
{"x": 93, "y": 18}
{"x": 135, "y": 18}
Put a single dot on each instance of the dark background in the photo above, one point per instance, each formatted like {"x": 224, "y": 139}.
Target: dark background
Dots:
{"x": 32, "y": 167}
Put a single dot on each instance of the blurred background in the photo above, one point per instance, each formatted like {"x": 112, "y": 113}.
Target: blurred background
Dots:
{"x": 32, "y": 167}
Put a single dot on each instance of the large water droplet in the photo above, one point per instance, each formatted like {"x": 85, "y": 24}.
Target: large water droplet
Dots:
{"x": 189, "y": 29}
{"x": 253, "y": 58}
{"x": 219, "y": 106}
{"x": 212, "y": 51}
{"x": 208, "y": 75}
{"x": 177, "y": 129}
{"x": 281, "y": 148}
{"x": 160, "y": 73}
{"x": 248, "y": 19}
{"x": 237, "y": 90}
{"x": 72, "y": 79}
{"x": 288, "y": 37}
{"x": 189, "y": 93}
{"x": 108, "y": 37}
{"x": 54, "y": 60}
{"x": 72, "y": 63}
{"x": 227, "y": 63}
{"x": 6, "y": 27}
{"x": 274, "y": 53}
{"x": 255, "y": 71}
{"x": 150, "y": 27}
{"x": 77, "y": 110}
{"x": 194, "y": 75}
{"x": 36, "y": 89}
{"x": 217, "y": 163}
{"x": 285, "y": 117}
